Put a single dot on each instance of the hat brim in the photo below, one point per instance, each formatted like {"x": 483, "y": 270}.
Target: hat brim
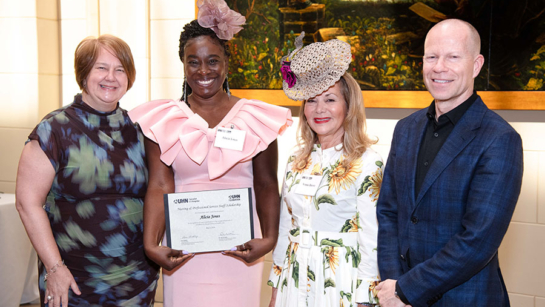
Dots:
{"x": 304, "y": 90}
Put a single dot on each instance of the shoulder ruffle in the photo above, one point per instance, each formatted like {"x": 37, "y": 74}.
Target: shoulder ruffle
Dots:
{"x": 161, "y": 121}
{"x": 173, "y": 126}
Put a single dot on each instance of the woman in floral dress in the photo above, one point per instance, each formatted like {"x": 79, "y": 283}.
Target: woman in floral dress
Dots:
{"x": 80, "y": 188}
{"x": 326, "y": 250}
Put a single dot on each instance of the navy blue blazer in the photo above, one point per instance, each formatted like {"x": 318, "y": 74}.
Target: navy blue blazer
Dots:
{"x": 442, "y": 244}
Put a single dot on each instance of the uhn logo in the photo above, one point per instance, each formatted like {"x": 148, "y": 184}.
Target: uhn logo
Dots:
{"x": 181, "y": 201}
{"x": 234, "y": 197}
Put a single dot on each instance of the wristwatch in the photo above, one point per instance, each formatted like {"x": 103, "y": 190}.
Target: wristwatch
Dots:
{"x": 397, "y": 296}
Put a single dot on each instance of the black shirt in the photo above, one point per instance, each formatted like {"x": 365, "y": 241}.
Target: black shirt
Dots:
{"x": 437, "y": 132}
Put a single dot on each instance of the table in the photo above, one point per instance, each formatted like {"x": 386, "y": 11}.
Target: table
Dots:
{"x": 18, "y": 260}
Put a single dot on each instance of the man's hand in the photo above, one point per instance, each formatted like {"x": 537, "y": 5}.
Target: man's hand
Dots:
{"x": 386, "y": 294}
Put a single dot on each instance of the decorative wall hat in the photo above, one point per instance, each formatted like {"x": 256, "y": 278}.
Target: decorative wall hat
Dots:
{"x": 310, "y": 71}
{"x": 216, "y": 15}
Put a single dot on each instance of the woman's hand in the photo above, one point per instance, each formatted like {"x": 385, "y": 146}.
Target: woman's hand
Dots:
{"x": 272, "y": 303}
{"x": 252, "y": 250}
{"x": 58, "y": 283}
{"x": 167, "y": 257}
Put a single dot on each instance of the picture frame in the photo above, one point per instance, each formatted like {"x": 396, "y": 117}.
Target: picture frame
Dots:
{"x": 495, "y": 100}
{"x": 412, "y": 99}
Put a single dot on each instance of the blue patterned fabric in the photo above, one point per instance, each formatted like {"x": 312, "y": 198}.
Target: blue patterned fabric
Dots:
{"x": 442, "y": 244}
{"x": 95, "y": 205}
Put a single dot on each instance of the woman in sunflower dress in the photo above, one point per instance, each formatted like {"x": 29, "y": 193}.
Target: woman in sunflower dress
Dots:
{"x": 326, "y": 251}
{"x": 80, "y": 190}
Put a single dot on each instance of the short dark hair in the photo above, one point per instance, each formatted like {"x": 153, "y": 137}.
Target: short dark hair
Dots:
{"x": 194, "y": 29}
{"x": 88, "y": 51}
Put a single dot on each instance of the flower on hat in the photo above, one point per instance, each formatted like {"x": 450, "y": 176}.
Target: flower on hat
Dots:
{"x": 216, "y": 15}
{"x": 287, "y": 74}
{"x": 317, "y": 67}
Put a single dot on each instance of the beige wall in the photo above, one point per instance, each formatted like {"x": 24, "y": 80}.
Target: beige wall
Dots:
{"x": 36, "y": 76}
{"x": 29, "y": 75}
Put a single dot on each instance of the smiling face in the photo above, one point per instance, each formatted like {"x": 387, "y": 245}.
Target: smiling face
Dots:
{"x": 205, "y": 66}
{"x": 325, "y": 115}
{"x": 106, "y": 83}
{"x": 451, "y": 62}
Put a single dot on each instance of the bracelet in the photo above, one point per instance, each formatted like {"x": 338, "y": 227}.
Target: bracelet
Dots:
{"x": 54, "y": 268}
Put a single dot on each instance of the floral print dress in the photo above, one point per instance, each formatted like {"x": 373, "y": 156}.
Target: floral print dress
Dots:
{"x": 326, "y": 252}
{"x": 95, "y": 204}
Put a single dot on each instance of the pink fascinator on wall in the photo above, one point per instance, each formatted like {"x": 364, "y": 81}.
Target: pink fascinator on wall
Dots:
{"x": 216, "y": 15}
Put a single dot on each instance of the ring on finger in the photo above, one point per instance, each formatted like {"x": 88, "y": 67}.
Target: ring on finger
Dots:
{"x": 243, "y": 246}
{"x": 50, "y": 297}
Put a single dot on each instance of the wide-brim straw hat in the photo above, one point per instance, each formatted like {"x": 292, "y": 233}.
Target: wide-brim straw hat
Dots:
{"x": 317, "y": 67}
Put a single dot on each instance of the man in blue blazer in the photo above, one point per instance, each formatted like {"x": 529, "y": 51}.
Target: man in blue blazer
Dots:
{"x": 450, "y": 186}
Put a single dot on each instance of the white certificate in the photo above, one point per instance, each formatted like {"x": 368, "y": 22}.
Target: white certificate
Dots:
{"x": 209, "y": 221}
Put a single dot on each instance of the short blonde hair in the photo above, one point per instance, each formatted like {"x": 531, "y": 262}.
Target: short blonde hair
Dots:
{"x": 355, "y": 139}
{"x": 88, "y": 51}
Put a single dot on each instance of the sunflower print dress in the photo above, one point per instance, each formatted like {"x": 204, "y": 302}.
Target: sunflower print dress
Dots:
{"x": 326, "y": 252}
{"x": 95, "y": 204}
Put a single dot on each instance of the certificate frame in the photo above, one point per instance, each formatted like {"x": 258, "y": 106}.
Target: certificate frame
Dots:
{"x": 197, "y": 208}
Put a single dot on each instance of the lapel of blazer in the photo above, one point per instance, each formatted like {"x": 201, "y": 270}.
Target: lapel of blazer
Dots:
{"x": 462, "y": 134}
{"x": 415, "y": 133}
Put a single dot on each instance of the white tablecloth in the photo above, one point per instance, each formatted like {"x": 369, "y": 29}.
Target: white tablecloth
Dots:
{"x": 18, "y": 260}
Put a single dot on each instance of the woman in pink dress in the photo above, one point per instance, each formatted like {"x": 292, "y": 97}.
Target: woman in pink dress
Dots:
{"x": 182, "y": 158}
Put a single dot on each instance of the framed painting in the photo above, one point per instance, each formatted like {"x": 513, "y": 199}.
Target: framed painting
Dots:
{"x": 387, "y": 38}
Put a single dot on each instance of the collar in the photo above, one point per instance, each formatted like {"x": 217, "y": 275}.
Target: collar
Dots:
{"x": 455, "y": 114}
{"x": 78, "y": 102}
{"x": 337, "y": 147}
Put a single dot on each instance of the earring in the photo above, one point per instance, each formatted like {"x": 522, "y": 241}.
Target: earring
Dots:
{"x": 226, "y": 87}
{"x": 184, "y": 95}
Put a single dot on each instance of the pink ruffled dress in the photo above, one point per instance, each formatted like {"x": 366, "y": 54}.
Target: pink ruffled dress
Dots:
{"x": 186, "y": 143}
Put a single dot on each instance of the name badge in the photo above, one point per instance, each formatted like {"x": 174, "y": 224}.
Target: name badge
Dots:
{"x": 308, "y": 185}
{"x": 230, "y": 139}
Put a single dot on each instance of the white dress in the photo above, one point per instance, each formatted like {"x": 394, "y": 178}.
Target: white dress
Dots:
{"x": 326, "y": 252}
